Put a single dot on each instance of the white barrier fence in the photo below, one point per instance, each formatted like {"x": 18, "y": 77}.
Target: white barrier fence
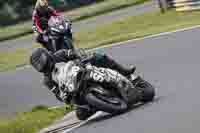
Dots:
{"x": 186, "y": 5}
{"x": 180, "y": 5}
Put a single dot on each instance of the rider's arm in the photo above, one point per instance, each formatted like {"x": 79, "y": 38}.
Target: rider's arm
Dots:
{"x": 56, "y": 90}
{"x": 52, "y": 86}
{"x": 53, "y": 12}
{"x": 35, "y": 19}
{"x": 65, "y": 55}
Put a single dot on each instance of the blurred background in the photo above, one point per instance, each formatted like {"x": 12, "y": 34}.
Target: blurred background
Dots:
{"x": 14, "y": 11}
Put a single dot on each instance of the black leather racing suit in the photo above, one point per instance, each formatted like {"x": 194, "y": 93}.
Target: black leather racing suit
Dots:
{"x": 99, "y": 60}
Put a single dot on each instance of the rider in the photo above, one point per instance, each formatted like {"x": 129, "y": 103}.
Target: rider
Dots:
{"x": 44, "y": 61}
{"x": 40, "y": 17}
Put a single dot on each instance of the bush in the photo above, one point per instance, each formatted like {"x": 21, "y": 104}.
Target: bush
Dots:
{"x": 15, "y": 11}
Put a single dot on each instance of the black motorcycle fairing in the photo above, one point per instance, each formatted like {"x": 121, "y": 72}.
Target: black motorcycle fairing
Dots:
{"x": 59, "y": 33}
{"x": 92, "y": 88}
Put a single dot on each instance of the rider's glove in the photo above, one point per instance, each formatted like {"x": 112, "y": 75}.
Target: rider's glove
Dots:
{"x": 71, "y": 54}
{"x": 34, "y": 28}
{"x": 80, "y": 53}
{"x": 44, "y": 32}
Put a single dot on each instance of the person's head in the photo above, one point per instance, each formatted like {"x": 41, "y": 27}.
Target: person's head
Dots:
{"x": 42, "y": 60}
{"x": 41, "y": 3}
{"x": 42, "y": 9}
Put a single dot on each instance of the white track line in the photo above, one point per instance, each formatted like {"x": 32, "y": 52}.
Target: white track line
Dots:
{"x": 84, "y": 122}
{"x": 22, "y": 68}
{"x": 55, "y": 107}
{"x": 148, "y": 37}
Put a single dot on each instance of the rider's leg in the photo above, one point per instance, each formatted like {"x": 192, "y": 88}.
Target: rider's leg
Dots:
{"x": 106, "y": 61}
{"x": 40, "y": 39}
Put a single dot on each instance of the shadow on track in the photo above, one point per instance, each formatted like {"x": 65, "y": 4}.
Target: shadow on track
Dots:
{"x": 107, "y": 116}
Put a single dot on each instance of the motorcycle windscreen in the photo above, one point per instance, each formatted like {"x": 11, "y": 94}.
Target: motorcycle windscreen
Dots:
{"x": 58, "y": 23}
{"x": 55, "y": 21}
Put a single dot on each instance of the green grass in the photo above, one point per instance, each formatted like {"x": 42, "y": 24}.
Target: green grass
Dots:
{"x": 21, "y": 29}
{"x": 14, "y": 31}
{"x": 31, "y": 122}
{"x": 136, "y": 26}
{"x": 101, "y": 7}
{"x": 132, "y": 27}
{"x": 11, "y": 60}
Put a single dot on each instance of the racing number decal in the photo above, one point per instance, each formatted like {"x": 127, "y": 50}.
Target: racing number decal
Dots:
{"x": 75, "y": 70}
{"x": 97, "y": 76}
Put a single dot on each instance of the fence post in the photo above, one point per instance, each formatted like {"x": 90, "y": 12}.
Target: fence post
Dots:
{"x": 164, "y": 5}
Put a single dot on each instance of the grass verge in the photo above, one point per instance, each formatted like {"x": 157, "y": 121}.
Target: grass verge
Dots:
{"x": 12, "y": 60}
{"x": 22, "y": 29}
{"x": 136, "y": 26}
{"x": 101, "y": 8}
{"x": 132, "y": 27}
{"x": 31, "y": 122}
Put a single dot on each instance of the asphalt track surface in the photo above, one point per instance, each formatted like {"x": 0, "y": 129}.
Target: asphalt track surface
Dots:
{"x": 171, "y": 63}
{"x": 27, "y": 41}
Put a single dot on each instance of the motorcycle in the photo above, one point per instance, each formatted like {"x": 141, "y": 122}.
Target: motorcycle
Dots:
{"x": 59, "y": 34}
{"x": 72, "y": 78}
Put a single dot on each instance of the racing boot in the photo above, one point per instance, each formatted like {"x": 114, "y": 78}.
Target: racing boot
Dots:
{"x": 83, "y": 112}
{"x": 118, "y": 67}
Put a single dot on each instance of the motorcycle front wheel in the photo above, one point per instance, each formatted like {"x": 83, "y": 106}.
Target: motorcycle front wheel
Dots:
{"x": 113, "y": 105}
{"x": 147, "y": 91}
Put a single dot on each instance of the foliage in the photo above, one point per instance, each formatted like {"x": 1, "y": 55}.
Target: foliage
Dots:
{"x": 14, "y": 11}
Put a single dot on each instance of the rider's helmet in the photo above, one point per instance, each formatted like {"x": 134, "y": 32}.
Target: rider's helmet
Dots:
{"x": 42, "y": 60}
